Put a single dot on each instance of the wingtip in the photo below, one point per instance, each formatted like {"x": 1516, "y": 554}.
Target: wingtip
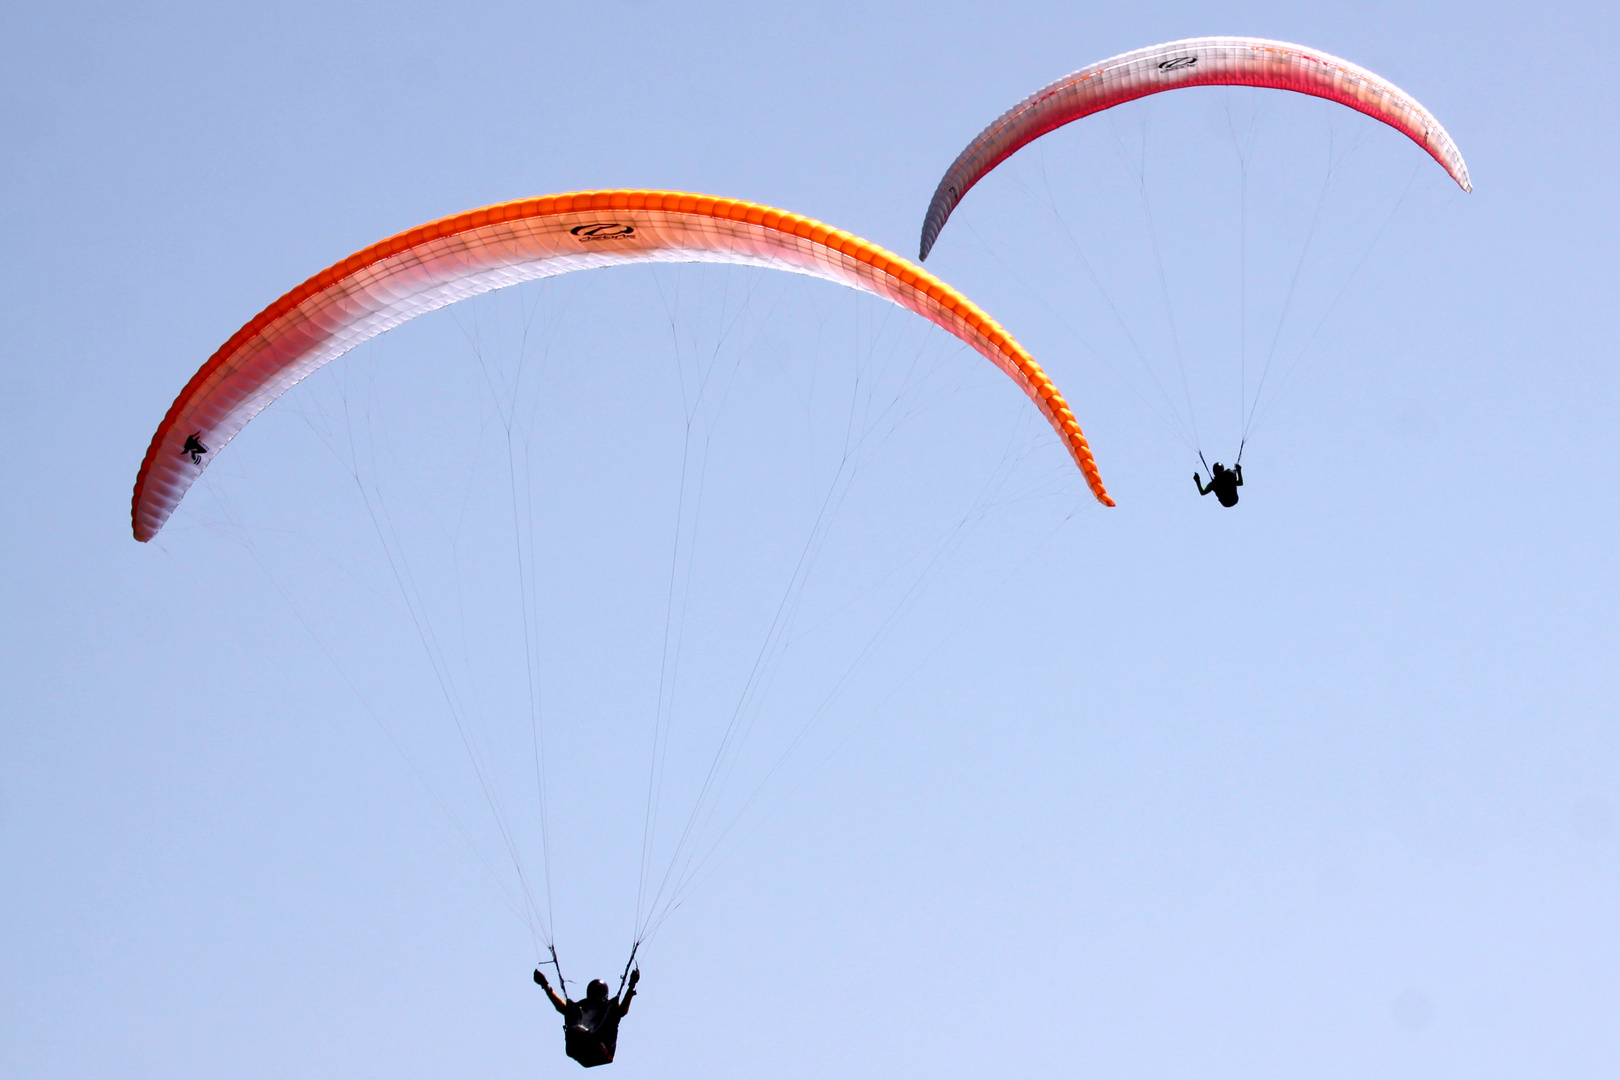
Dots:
{"x": 930, "y": 234}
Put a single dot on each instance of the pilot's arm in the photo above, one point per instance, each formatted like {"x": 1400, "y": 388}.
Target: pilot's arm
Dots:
{"x": 1239, "y": 468}
{"x": 624, "y": 1006}
{"x": 556, "y": 1002}
{"x": 1202, "y": 490}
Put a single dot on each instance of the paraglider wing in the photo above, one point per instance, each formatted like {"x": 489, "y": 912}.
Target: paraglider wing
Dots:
{"x": 1209, "y": 61}
{"x": 472, "y": 253}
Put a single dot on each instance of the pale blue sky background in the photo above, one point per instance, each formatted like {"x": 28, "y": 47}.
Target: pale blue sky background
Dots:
{"x": 1324, "y": 786}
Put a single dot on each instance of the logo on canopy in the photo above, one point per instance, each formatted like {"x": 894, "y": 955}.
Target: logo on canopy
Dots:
{"x": 602, "y": 230}
{"x": 1177, "y": 63}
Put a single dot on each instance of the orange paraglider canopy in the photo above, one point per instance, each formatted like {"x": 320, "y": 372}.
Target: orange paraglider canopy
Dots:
{"x": 458, "y": 257}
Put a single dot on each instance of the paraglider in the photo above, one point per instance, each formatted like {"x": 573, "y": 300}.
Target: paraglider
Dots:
{"x": 1204, "y": 61}
{"x": 591, "y": 1026}
{"x": 1223, "y": 483}
{"x": 458, "y": 257}
{"x": 463, "y": 256}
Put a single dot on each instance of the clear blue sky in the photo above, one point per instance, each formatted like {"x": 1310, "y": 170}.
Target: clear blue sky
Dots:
{"x": 1323, "y": 786}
